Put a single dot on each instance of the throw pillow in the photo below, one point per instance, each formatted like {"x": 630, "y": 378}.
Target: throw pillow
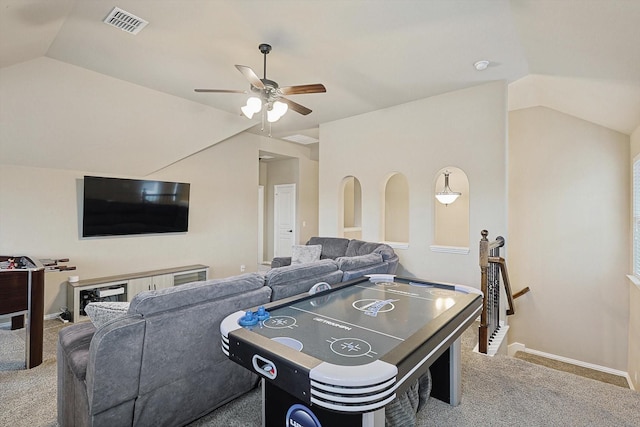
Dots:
{"x": 103, "y": 312}
{"x": 303, "y": 254}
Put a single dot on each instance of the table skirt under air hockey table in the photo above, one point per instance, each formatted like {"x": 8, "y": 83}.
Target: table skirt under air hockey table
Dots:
{"x": 339, "y": 356}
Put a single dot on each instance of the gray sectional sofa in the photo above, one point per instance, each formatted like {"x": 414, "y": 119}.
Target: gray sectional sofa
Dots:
{"x": 354, "y": 257}
{"x": 159, "y": 363}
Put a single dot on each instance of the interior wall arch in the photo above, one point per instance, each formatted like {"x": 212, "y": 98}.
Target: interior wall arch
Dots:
{"x": 451, "y": 222}
{"x": 396, "y": 209}
{"x": 351, "y": 219}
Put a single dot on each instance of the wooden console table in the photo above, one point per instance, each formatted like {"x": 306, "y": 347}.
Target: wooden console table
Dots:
{"x": 22, "y": 293}
{"x": 126, "y": 286}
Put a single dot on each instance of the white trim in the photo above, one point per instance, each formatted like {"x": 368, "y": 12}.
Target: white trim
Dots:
{"x": 397, "y": 245}
{"x": 634, "y": 280}
{"x": 449, "y": 249}
{"x": 521, "y": 347}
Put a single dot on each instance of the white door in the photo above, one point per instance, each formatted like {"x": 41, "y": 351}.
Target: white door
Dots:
{"x": 284, "y": 213}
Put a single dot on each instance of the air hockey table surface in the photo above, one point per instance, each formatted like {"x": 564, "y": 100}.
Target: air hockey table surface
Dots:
{"x": 353, "y": 348}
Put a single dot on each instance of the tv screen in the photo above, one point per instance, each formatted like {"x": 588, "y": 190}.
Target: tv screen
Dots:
{"x": 115, "y": 206}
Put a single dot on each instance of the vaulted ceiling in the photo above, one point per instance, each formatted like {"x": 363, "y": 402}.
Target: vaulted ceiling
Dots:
{"x": 581, "y": 57}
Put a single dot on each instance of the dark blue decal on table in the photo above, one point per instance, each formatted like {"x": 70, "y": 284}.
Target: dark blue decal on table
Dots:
{"x": 301, "y": 416}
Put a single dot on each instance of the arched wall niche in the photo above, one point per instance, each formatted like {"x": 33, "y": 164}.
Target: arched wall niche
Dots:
{"x": 351, "y": 221}
{"x": 451, "y": 222}
{"x": 396, "y": 209}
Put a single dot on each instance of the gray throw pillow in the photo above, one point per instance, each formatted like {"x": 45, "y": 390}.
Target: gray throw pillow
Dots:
{"x": 304, "y": 254}
{"x": 103, "y": 312}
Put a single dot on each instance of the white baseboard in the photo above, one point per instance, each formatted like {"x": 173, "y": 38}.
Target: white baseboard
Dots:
{"x": 516, "y": 346}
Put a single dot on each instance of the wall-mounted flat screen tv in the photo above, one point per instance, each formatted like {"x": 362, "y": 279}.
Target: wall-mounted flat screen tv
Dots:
{"x": 116, "y": 207}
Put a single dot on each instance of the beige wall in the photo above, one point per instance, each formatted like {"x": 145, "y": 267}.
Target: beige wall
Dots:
{"x": 40, "y": 218}
{"x": 466, "y": 129}
{"x": 569, "y": 236}
{"x": 634, "y": 296}
{"x": 396, "y": 209}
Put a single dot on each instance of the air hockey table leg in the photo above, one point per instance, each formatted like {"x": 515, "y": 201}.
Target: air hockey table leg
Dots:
{"x": 373, "y": 419}
{"x": 446, "y": 375}
{"x": 455, "y": 372}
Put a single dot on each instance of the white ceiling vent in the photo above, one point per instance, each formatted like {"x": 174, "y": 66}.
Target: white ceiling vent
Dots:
{"x": 301, "y": 139}
{"x": 125, "y": 21}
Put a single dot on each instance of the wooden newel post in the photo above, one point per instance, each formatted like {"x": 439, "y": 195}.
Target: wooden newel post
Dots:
{"x": 484, "y": 268}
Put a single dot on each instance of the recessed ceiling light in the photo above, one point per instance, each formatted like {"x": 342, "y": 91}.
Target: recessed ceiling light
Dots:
{"x": 481, "y": 65}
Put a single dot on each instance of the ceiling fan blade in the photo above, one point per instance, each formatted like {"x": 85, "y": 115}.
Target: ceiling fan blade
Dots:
{"x": 250, "y": 75}
{"x": 300, "y": 89}
{"x": 221, "y": 90}
{"x": 295, "y": 106}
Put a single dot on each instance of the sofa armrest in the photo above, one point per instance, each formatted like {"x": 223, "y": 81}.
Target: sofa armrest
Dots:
{"x": 115, "y": 350}
{"x": 281, "y": 262}
{"x": 358, "y": 262}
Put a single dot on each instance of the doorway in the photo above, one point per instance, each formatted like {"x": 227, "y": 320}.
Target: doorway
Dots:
{"x": 284, "y": 219}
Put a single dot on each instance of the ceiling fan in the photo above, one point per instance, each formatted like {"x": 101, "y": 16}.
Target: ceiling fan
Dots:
{"x": 268, "y": 93}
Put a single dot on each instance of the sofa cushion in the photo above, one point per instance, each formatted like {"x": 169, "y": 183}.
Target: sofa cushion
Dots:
{"x": 356, "y": 262}
{"x": 332, "y": 247}
{"x": 359, "y": 247}
{"x": 293, "y": 272}
{"x": 299, "y": 278}
{"x": 304, "y": 254}
{"x": 103, "y": 312}
{"x": 149, "y": 302}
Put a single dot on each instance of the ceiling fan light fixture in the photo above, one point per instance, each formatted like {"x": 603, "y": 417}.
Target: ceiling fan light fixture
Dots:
{"x": 277, "y": 110}
{"x": 254, "y": 105}
{"x": 247, "y": 111}
{"x": 280, "y": 108}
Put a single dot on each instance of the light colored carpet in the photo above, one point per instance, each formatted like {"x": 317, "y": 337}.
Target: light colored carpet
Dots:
{"x": 12, "y": 351}
{"x": 496, "y": 391}
{"x": 28, "y": 397}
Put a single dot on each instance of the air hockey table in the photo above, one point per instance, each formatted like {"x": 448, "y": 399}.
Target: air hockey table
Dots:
{"x": 339, "y": 356}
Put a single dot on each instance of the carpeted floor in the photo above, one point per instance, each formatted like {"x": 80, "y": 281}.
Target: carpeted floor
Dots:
{"x": 497, "y": 391}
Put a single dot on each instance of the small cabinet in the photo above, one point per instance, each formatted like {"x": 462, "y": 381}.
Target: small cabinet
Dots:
{"x": 152, "y": 283}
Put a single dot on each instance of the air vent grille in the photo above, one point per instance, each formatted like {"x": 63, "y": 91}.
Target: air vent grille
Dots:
{"x": 125, "y": 21}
